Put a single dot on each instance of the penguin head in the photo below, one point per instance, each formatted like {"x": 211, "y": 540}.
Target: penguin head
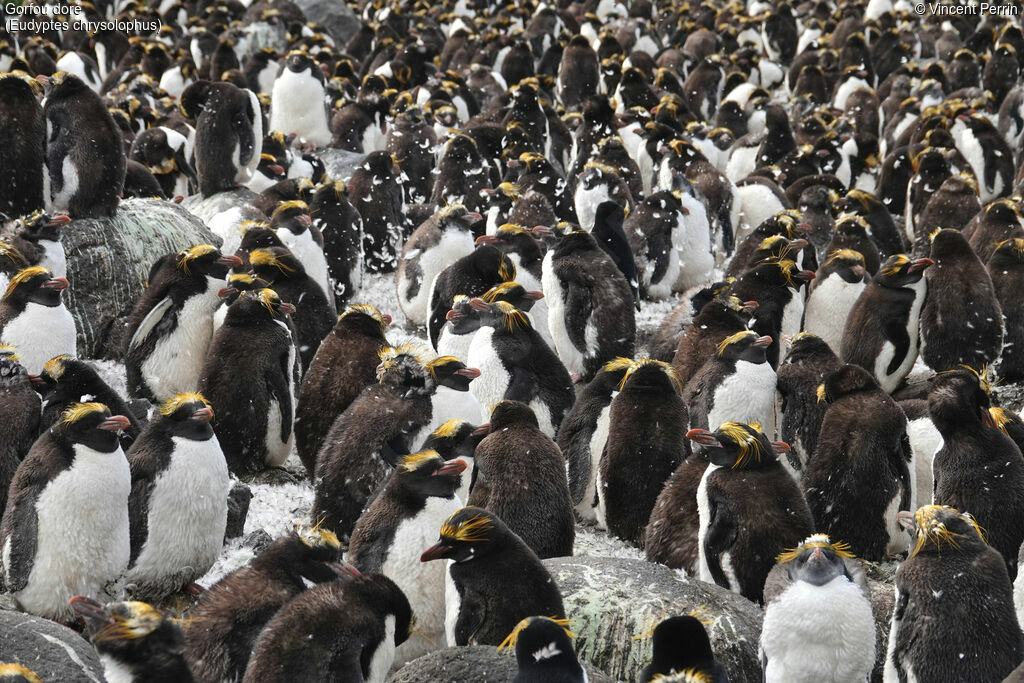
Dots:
{"x": 501, "y": 315}
{"x": 514, "y": 293}
{"x": 747, "y": 346}
{"x": 817, "y": 560}
{"x": 469, "y": 533}
{"x": 128, "y": 631}
{"x": 648, "y": 375}
{"x": 380, "y": 165}
{"x": 848, "y": 263}
{"x": 681, "y": 650}
{"x": 959, "y": 398}
{"x": 899, "y": 270}
{"x": 852, "y": 227}
{"x": 462, "y": 318}
{"x": 737, "y": 445}
{"x": 16, "y": 673}
{"x": 91, "y": 425}
{"x": 1008, "y": 254}
{"x": 309, "y": 551}
{"x": 205, "y": 261}
{"x": 949, "y": 245}
{"x": 449, "y": 371}
{"x": 40, "y": 225}
{"x": 512, "y": 238}
{"x": 455, "y": 439}
{"x": 544, "y": 649}
{"x": 292, "y": 215}
{"x": 404, "y": 367}
{"x": 848, "y": 379}
{"x": 238, "y": 283}
{"x": 35, "y": 285}
{"x": 1003, "y": 211}
{"x": 805, "y": 345}
{"x": 62, "y": 84}
{"x": 777, "y": 247}
{"x": 428, "y": 474}
{"x": 258, "y": 306}
{"x": 364, "y": 319}
{"x": 275, "y": 264}
{"x": 299, "y": 62}
{"x": 457, "y": 217}
{"x": 258, "y": 235}
{"x": 934, "y": 528}
{"x": 188, "y": 415}
{"x": 9, "y": 255}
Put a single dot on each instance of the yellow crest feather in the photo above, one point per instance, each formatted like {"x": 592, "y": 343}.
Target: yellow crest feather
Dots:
{"x": 732, "y": 339}
{"x": 449, "y": 428}
{"x": 1001, "y": 416}
{"x": 840, "y": 548}
{"x": 414, "y": 461}
{"x": 77, "y": 411}
{"x": 264, "y": 257}
{"x": 23, "y": 276}
{"x": 512, "y": 638}
{"x": 492, "y": 294}
{"x": 669, "y": 371}
{"x": 178, "y": 400}
{"x": 288, "y": 206}
{"x": 316, "y": 536}
{"x": 186, "y": 256}
{"x": 930, "y": 530}
{"x": 511, "y": 317}
{"x": 473, "y": 530}
{"x": 750, "y": 446}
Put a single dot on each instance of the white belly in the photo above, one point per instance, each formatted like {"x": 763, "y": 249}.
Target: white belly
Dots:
{"x": 454, "y": 245}
{"x": 449, "y": 403}
{"x": 693, "y": 247}
{"x": 829, "y": 306}
{"x": 747, "y": 395}
{"x": 704, "y": 516}
{"x": 925, "y": 442}
{"x": 585, "y": 508}
{"x": 889, "y": 382}
{"x": 177, "y": 360}
{"x": 298, "y": 107}
{"x": 39, "y": 333}
{"x": 570, "y": 356}
{"x": 489, "y": 388}
{"x": 310, "y": 255}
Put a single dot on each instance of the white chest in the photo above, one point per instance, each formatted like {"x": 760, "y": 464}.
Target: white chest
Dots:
{"x": 298, "y": 100}
{"x": 39, "y": 333}
{"x": 704, "y": 516}
{"x": 489, "y": 388}
{"x": 747, "y": 395}
{"x": 829, "y": 306}
{"x": 177, "y": 359}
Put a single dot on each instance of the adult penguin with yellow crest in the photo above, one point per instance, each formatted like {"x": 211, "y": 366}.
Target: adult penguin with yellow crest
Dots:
{"x": 178, "y": 506}
{"x": 860, "y": 474}
{"x": 961, "y": 320}
{"x": 472, "y": 275}
{"x": 750, "y": 508}
{"x": 953, "y": 619}
{"x": 978, "y": 469}
{"x": 645, "y": 444}
{"x": 171, "y": 326}
{"x": 250, "y": 375}
{"x": 34, "y": 319}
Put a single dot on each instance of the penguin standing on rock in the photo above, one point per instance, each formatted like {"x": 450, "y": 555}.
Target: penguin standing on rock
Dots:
{"x": 590, "y": 306}
{"x": 740, "y": 533}
{"x": 415, "y": 502}
{"x": 645, "y": 444}
{"x": 521, "y": 479}
{"x": 953, "y": 618}
{"x": 250, "y": 375}
{"x": 34, "y": 320}
{"x": 961, "y": 321}
{"x": 65, "y": 529}
{"x": 171, "y": 325}
{"x": 85, "y": 160}
{"x": 298, "y": 101}
{"x": 860, "y": 474}
{"x": 229, "y": 134}
{"x": 494, "y": 580}
{"x": 978, "y": 469}
{"x": 881, "y": 332}
{"x": 178, "y": 506}
{"x": 343, "y": 366}
{"x": 818, "y": 620}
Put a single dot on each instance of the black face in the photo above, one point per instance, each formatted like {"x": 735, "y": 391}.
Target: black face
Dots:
{"x": 191, "y": 421}
{"x": 435, "y": 477}
{"x": 455, "y": 375}
{"x": 42, "y": 226}
{"x": 97, "y": 430}
{"x": 817, "y": 566}
{"x": 259, "y": 238}
{"x": 899, "y": 271}
{"x": 463, "y": 318}
{"x": 133, "y": 633}
{"x": 211, "y": 264}
{"x": 749, "y": 348}
{"x": 42, "y": 289}
{"x": 468, "y": 534}
{"x": 295, "y": 219}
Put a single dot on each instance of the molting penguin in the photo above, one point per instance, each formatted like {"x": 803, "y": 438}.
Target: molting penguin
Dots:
{"x": 343, "y": 366}
{"x": 881, "y": 332}
{"x": 494, "y": 580}
{"x": 22, "y": 139}
{"x": 342, "y": 229}
{"x": 437, "y": 243}
{"x": 837, "y": 285}
{"x": 750, "y": 508}
{"x": 719, "y": 318}
{"x": 520, "y": 477}
{"x": 860, "y": 474}
{"x": 590, "y": 306}
{"x": 163, "y": 151}
{"x": 1006, "y": 268}
{"x": 375, "y": 193}
{"x": 178, "y": 506}
{"x": 953, "y": 618}
{"x": 34, "y": 320}
{"x": 404, "y": 517}
{"x": 335, "y": 631}
{"x": 299, "y": 102}
{"x": 21, "y": 408}
{"x": 517, "y": 365}
{"x": 804, "y": 368}
{"x": 961, "y": 321}
{"x": 818, "y": 620}
{"x": 544, "y": 652}
{"x": 645, "y": 444}
{"x": 250, "y": 375}
{"x": 222, "y": 629}
{"x": 584, "y": 432}
{"x": 737, "y": 383}
{"x": 65, "y": 529}
{"x": 171, "y": 325}
{"x": 37, "y": 236}
{"x": 680, "y": 647}
{"x": 229, "y": 134}
{"x": 979, "y": 468}
{"x": 85, "y": 160}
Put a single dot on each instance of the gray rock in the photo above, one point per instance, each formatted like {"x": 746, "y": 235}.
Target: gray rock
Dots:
{"x": 261, "y": 34}
{"x": 206, "y": 208}
{"x": 340, "y": 21}
{"x": 52, "y": 651}
{"x": 339, "y": 163}
{"x": 257, "y": 541}
{"x": 238, "y": 509}
{"x": 883, "y": 599}
{"x": 472, "y": 664}
{"x": 611, "y": 600}
{"x": 109, "y": 261}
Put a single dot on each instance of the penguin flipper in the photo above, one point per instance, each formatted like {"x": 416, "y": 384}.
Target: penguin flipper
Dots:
{"x": 902, "y": 471}
{"x": 143, "y": 480}
{"x": 21, "y": 526}
{"x": 895, "y": 331}
{"x": 472, "y": 615}
{"x": 242, "y": 124}
{"x": 153, "y": 319}
{"x": 720, "y": 537}
{"x": 578, "y": 308}
{"x": 278, "y": 385}
{"x": 522, "y": 385}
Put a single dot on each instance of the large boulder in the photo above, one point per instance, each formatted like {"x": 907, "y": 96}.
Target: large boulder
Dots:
{"x": 609, "y": 601}
{"x": 336, "y": 16}
{"x": 52, "y": 651}
{"x": 109, "y": 261}
{"x": 477, "y": 663}
{"x": 340, "y": 164}
{"x": 205, "y": 208}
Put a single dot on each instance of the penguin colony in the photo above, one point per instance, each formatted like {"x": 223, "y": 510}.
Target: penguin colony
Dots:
{"x": 818, "y": 205}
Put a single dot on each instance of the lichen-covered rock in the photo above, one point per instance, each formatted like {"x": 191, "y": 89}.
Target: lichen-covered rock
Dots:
{"x": 472, "y": 664}
{"x": 109, "y": 260}
{"x": 52, "y": 651}
{"x": 336, "y": 16}
{"x": 239, "y": 498}
{"x": 611, "y": 600}
{"x": 205, "y": 208}
{"x": 883, "y": 599}
{"x": 340, "y": 164}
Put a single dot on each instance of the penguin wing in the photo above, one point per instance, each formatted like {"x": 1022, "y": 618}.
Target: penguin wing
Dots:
{"x": 720, "y": 537}
{"x": 472, "y": 615}
{"x": 20, "y": 528}
{"x": 578, "y": 308}
{"x": 143, "y": 479}
{"x": 278, "y": 385}
{"x": 522, "y": 385}
{"x": 901, "y": 469}
{"x": 58, "y": 145}
{"x": 895, "y": 331}
{"x": 155, "y": 319}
